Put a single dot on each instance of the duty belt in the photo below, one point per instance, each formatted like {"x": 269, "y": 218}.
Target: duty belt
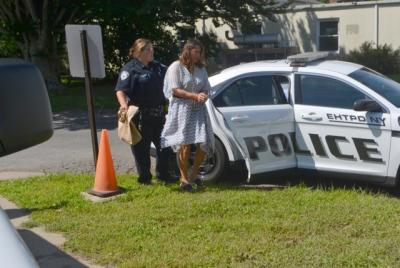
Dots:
{"x": 157, "y": 111}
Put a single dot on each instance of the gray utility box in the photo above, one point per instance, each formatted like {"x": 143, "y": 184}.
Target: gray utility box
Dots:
{"x": 25, "y": 112}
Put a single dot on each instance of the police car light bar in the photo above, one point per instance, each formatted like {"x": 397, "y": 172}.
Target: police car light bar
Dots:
{"x": 300, "y": 60}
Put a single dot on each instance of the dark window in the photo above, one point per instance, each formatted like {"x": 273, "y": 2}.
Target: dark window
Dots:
{"x": 231, "y": 96}
{"x": 328, "y": 27}
{"x": 256, "y": 90}
{"x": 326, "y": 92}
{"x": 328, "y": 35}
{"x": 382, "y": 85}
{"x": 283, "y": 82}
{"x": 251, "y": 28}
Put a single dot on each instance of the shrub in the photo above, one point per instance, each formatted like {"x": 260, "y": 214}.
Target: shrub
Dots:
{"x": 8, "y": 45}
{"x": 382, "y": 59}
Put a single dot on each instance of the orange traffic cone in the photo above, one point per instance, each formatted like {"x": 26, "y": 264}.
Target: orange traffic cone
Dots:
{"x": 105, "y": 183}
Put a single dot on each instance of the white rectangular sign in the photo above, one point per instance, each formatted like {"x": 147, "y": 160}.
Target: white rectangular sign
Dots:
{"x": 95, "y": 48}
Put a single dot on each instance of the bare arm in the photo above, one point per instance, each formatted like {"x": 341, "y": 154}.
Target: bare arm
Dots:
{"x": 122, "y": 100}
{"x": 198, "y": 97}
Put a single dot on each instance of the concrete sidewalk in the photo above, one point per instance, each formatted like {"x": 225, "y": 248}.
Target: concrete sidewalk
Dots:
{"x": 15, "y": 175}
{"x": 45, "y": 246}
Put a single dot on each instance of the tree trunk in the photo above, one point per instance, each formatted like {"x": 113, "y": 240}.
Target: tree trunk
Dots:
{"x": 41, "y": 55}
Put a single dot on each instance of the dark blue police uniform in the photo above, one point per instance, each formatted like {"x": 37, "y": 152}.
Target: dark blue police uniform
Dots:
{"x": 143, "y": 85}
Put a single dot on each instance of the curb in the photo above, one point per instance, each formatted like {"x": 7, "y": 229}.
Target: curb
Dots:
{"x": 16, "y": 175}
{"x": 45, "y": 246}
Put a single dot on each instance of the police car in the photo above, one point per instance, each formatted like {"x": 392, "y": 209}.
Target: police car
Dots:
{"x": 306, "y": 113}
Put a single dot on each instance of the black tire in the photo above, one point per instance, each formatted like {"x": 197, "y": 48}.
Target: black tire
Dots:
{"x": 213, "y": 168}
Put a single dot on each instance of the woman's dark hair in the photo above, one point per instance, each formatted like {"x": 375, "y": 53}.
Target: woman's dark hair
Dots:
{"x": 185, "y": 58}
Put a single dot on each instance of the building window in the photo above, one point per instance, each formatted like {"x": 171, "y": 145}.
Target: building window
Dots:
{"x": 251, "y": 28}
{"x": 328, "y": 35}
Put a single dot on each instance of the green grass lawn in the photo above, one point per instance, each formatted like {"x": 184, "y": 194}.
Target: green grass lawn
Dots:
{"x": 223, "y": 226}
{"x": 74, "y": 96}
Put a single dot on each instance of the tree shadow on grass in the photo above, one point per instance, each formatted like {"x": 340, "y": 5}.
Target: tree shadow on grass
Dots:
{"x": 329, "y": 184}
{"x": 13, "y": 213}
{"x": 315, "y": 182}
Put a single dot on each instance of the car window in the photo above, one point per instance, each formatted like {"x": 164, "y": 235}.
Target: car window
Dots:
{"x": 326, "y": 92}
{"x": 382, "y": 85}
{"x": 255, "y": 90}
{"x": 231, "y": 96}
{"x": 283, "y": 81}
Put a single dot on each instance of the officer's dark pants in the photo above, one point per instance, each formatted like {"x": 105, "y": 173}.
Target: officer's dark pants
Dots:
{"x": 150, "y": 127}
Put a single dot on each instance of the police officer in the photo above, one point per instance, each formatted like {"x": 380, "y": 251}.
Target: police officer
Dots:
{"x": 140, "y": 83}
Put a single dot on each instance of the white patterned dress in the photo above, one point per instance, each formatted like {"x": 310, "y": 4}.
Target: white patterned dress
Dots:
{"x": 187, "y": 122}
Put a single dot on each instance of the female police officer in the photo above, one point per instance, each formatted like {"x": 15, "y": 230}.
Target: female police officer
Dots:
{"x": 140, "y": 83}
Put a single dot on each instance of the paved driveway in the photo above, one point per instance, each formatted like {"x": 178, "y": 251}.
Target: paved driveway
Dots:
{"x": 69, "y": 150}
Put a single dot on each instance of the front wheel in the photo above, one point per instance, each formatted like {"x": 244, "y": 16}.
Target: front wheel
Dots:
{"x": 212, "y": 168}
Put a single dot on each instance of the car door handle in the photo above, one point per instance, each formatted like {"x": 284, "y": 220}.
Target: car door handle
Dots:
{"x": 239, "y": 118}
{"x": 311, "y": 117}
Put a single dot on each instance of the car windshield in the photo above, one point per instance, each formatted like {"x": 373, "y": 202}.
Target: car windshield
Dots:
{"x": 382, "y": 85}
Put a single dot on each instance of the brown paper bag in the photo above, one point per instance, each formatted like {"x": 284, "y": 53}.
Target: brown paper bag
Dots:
{"x": 127, "y": 130}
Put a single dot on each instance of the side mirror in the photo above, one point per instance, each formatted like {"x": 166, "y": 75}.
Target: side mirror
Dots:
{"x": 25, "y": 112}
{"x": 367, "y": 105}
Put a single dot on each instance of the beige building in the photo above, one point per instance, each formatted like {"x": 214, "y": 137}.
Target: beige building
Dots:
{"x": 338, "y": 27}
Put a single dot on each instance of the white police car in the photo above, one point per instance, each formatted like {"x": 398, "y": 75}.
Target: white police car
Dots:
{"x": 336, "y": 118}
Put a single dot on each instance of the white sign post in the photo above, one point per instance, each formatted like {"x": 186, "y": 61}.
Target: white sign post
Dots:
{"x": 95, "y": 49}
{"x": 86, "y": 59}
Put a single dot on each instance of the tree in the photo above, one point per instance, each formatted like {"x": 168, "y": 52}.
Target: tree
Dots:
{"x": 381, "y": 58}
{"x": 8, "y": 46}
{"x": 37, "y": 26}
{"x": 153, "y": 19}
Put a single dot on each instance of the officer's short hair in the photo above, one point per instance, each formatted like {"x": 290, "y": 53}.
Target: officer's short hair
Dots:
{"x": 138, "y": 46}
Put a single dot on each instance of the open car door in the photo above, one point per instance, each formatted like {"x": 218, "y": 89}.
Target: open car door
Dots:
{"x": 255, "y": 108}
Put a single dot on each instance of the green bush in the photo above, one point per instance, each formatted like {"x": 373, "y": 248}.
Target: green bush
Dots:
{"x": 8, "y": 45}
{"x": 382, "y": 59}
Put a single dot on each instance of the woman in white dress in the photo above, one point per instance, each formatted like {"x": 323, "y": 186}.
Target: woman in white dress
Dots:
{"x": 186, "y": 85}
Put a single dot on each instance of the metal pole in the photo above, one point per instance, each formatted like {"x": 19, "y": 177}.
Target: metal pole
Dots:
{"x": 376, "y": 25}
{"x": 89, "y": 96}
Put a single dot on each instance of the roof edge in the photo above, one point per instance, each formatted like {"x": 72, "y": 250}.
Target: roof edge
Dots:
{"x": 340, "y": 5}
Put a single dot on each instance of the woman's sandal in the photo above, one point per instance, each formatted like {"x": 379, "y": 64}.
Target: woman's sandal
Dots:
{"x": 186, "y": 187}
